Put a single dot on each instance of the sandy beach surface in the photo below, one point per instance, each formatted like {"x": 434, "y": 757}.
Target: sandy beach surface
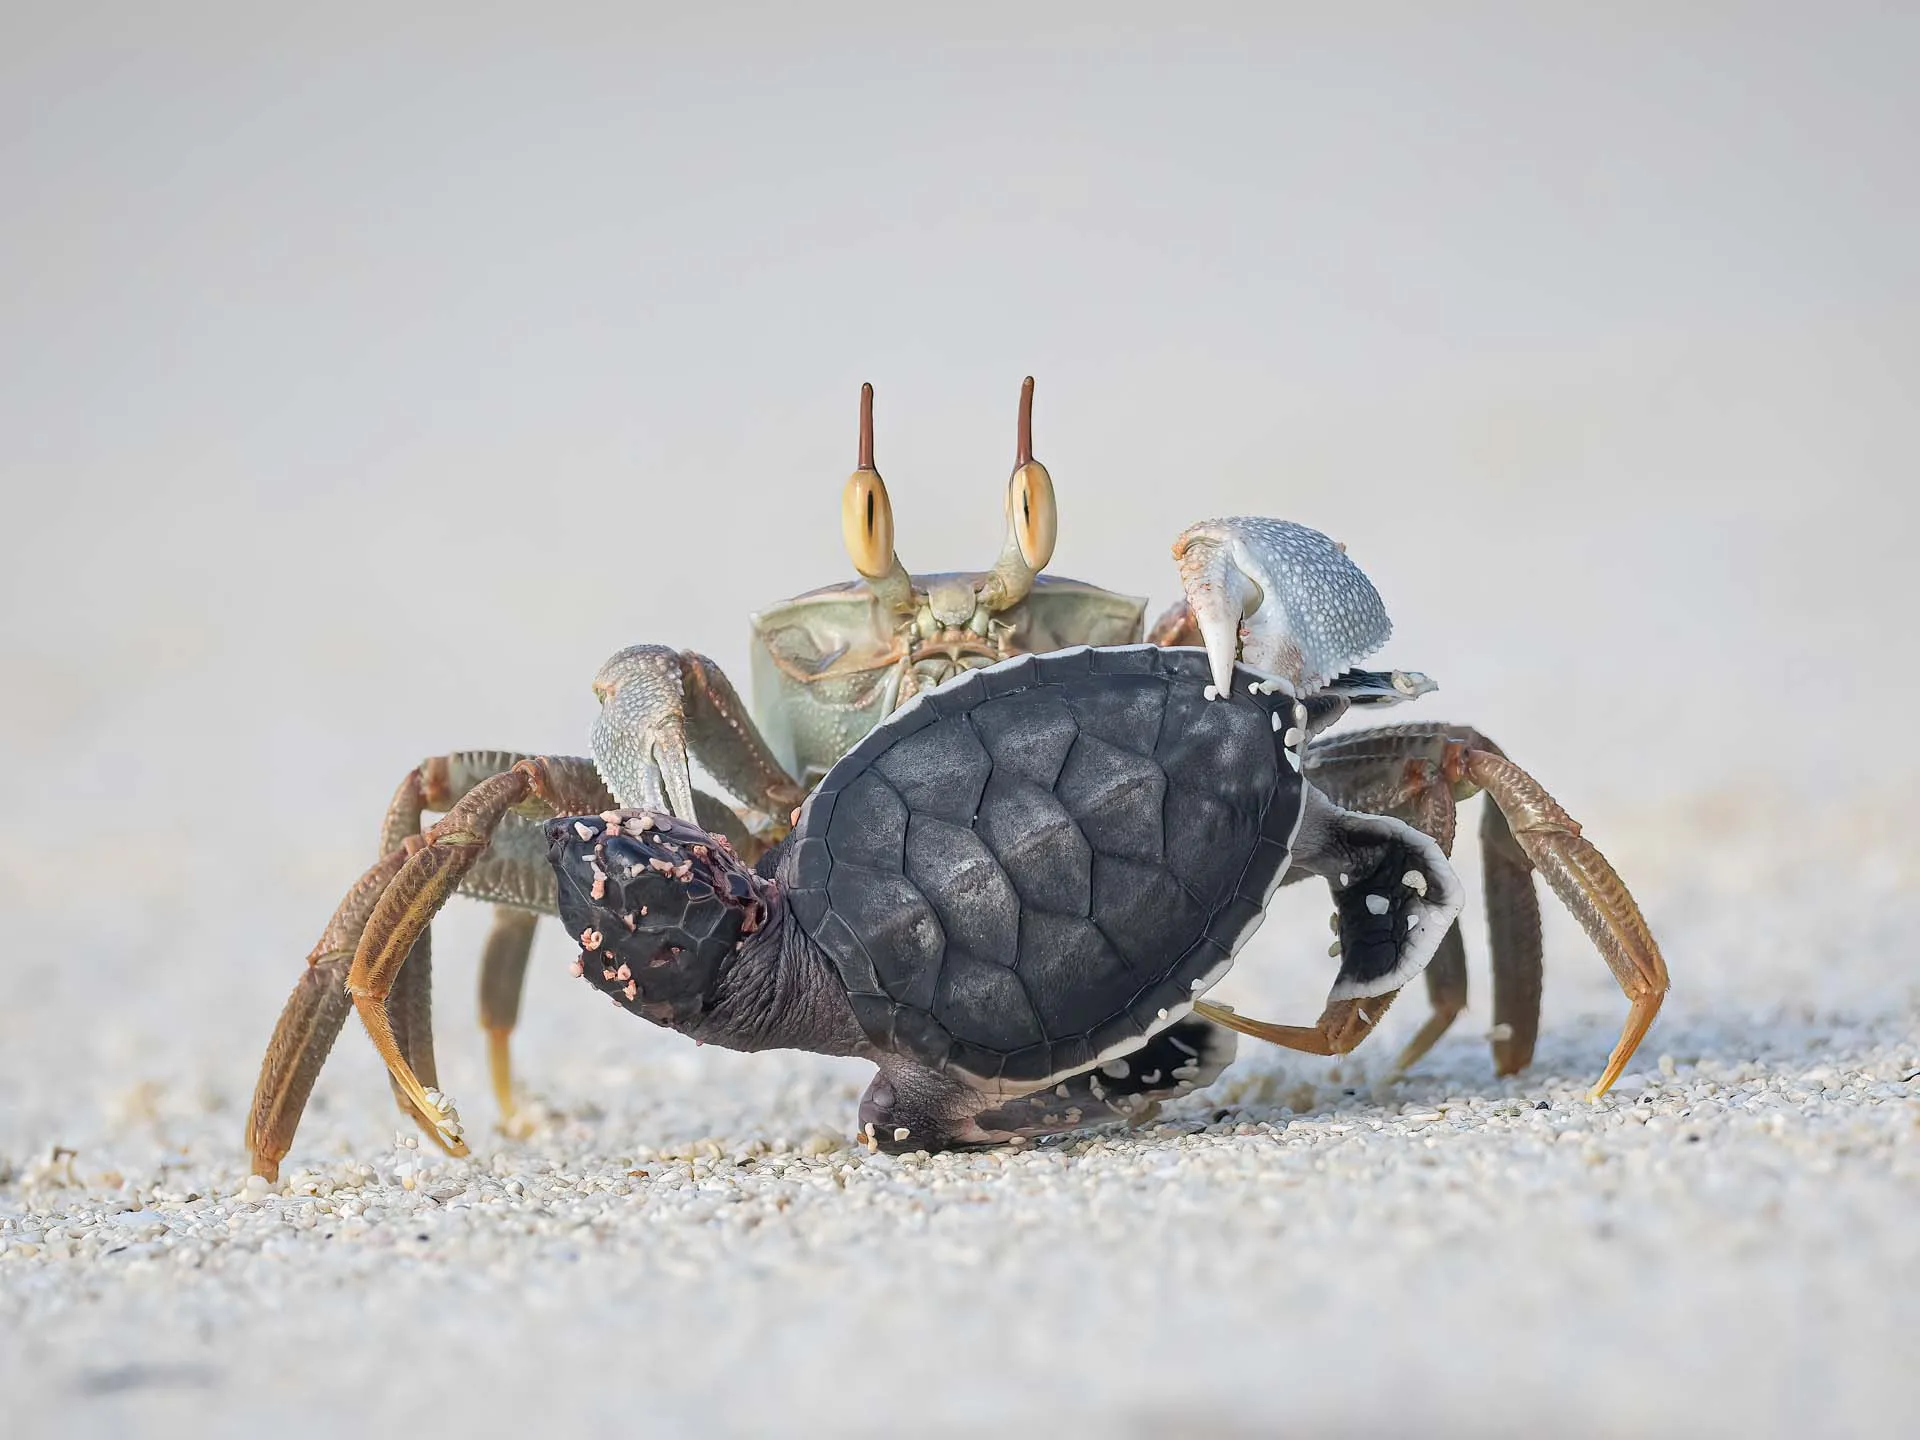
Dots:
{"x": 372, "y": 384}
{"x": 689, "y": 1242}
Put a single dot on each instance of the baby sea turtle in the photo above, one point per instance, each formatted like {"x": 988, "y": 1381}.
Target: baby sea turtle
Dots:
{"x": 1011, "y": 894}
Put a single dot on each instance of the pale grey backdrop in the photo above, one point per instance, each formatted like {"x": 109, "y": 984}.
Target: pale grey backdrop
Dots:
{"x": 366, "y": 378}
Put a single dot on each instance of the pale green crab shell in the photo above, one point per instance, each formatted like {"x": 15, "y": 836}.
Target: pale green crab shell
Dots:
{"x": 829, "y": 665}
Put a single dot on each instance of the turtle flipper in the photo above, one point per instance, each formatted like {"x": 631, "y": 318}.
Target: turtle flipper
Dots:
{"x": 1354, "y": 688}
{"x": 1396, "y": 897}
{"x": 1186, "y": 1056}
{"x": 909, "y": 1107}
{"x": 1395, "y": 894}
{"x": 1380, "y": 687}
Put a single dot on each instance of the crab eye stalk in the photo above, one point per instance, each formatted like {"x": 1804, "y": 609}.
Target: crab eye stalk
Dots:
{"x": 866, "y": 522}
{"x": 1033, "y": 519}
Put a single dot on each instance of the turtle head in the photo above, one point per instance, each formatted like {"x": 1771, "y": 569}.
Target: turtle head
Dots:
{"x": 658, "y": 907}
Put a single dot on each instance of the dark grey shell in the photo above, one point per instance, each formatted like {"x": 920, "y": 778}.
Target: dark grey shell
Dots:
{"x": 1036, "y": 866}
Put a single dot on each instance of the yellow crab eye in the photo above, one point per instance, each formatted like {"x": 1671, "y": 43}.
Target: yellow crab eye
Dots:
{"x": 866, "y": 516}
{"x": 866, "y": 523}
{"x": 1030, "y": 509}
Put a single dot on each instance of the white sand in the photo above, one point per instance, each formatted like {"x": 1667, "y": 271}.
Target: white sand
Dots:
{"x": 1726, "y": 1245}
{"x": 362, "y": 386}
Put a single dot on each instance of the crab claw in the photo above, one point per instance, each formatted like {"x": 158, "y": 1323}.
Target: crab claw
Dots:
{"x": 640, "y": 737}
{"x": 1280, "y": 597}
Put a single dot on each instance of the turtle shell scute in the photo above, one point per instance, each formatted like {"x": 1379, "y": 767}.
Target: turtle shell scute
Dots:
{"x": 1037, "y": 866}
{"x": 939, "y": 770}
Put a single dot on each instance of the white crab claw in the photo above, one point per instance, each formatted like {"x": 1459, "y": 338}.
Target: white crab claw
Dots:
{"x": 1285, "y": 597}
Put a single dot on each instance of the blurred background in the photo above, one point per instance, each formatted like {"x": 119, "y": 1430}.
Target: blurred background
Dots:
{"x": 368, "y": 375}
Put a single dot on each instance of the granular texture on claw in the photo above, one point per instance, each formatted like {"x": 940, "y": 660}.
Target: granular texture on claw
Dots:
{"x": 1316, "y": 604}
{"x": 1038, "y": 865}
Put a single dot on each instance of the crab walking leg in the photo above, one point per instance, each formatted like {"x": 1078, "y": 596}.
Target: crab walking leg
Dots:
{"x": 310, "y": 1023}
{"x": 512, "y": 871}
{"x": 1176, "y": 626}
{"x": 410, "y": 1013}
{"x": 1429, "y": 807}
{"x": 1341, "y": 1026}
{"x": 1402, "y": 766}
{"x": 1396, "y": 898}
{"x": 1588, "y": 886}
{"x": 503, "y": 971}
{"x": 402, "y": 820}
{"x": 410, "y": 1009}
{"x": 410, "y": 901}
{"x": 1418, "y": 773}
{"x": 1447, "y": 995}
{"x": 1513, "y": 935}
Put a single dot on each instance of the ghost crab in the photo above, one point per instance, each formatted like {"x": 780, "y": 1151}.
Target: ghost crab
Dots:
{"x": 828, "y": 666}
{"x": 1259, "y": 591}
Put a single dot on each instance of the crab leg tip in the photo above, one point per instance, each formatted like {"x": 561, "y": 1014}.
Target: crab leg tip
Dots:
{"x": 1639, "y": 1021}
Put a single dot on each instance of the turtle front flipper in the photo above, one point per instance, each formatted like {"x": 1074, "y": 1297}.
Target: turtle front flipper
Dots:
{"x": 1394, "y": 893}
{"x": 1356, "y": 688}
{"x": 1395, "y": 896}
{"x": 1380, "y": 687}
